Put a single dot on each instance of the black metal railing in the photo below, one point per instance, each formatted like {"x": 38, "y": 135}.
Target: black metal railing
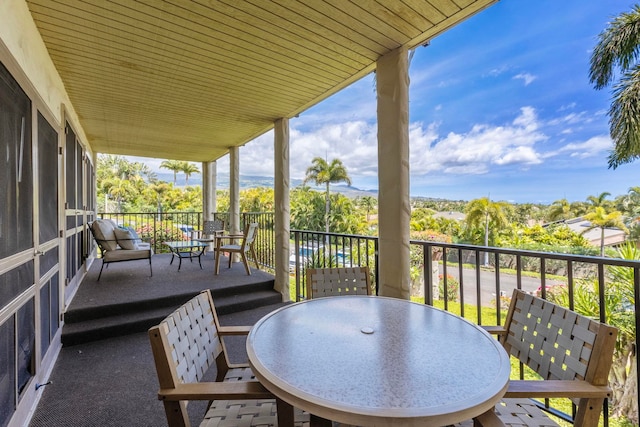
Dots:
{"x": 265, "y": 241}
{"x": 158, "y": 227}
{"x": 314, "y": 249}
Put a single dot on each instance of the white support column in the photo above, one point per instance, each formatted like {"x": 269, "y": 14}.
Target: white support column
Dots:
{"x": 281, "y": 194}
{"x": 234, "y": 190}
{"x": 394, "y": 208}
{"x": 209, "y": 189}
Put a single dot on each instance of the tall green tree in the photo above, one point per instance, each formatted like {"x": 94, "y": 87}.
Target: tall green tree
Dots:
{"x": 485, "y": 213}
{"x": 119, "y": 189}
{"x": 600, "y": 200}
{"x": 560, "y": 210}
{"x": 616, "y": 54}
{"x": 599, "y": 218}
{"x": 368, "y": 203}
{"x": 323, "y": 173}
{"x": 188, "y": 169}
{"x": 174, "y": 166}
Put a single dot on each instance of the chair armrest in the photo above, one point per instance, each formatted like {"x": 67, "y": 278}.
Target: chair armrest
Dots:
{"x": 495, "y": 330}
{"x": 230, "y": 236}
{"x": 216, "y": 390}
{"x": 556, "y": 388}
{"x": 234, "y": 330}
{"x": 239, "y": 365}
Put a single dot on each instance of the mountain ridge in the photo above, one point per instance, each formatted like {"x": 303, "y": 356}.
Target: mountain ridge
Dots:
{"x": 257, "y": 181}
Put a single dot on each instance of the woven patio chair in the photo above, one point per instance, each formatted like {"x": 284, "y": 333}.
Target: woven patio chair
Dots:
{"x": 326, "y": 282}
{"x": 185, "y": 344}
{"x": 571, "y": 353}
{"x": 245, "y": 245}
{"x": 210, "y": 230}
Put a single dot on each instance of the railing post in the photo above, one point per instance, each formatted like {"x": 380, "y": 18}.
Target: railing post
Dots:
{"x": 427, "y": 261}
{"x": 297, "y": 267}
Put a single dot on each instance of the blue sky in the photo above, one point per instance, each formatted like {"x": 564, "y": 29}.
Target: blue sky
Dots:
{"x": 500, "y": 106}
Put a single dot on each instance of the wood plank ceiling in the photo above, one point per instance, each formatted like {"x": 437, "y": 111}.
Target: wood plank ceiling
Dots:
{"x": 187, "y": 79}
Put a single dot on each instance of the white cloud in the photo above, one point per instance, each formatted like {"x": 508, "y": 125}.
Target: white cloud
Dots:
{"x": 476, "y": 151}
{"x": 526, "y": 77}
{"x": 592, "y": 147}
{"x": 572, "y": 119}
{"x": 355, "y": 143}
{"x": 566, "y": 107}
{"x": 481, "y": 149}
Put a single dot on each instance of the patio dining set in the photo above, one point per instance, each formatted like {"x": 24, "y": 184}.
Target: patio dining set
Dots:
{"x": 373, "y": 360}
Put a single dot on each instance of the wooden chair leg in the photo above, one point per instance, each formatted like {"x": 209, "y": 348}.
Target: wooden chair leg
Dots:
{"x": 285, "y": 413}
{"x": 255, "y": 257}
{"x": 217, "y": 269}
{"x": 245, "y": 261}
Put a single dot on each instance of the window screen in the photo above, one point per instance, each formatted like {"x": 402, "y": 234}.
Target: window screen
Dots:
{"x": 26, "y": 338}
{"x": 48, "y": 180}
{"x": 14, "y": 282}
{"x": 70, "y": 167}
{"x": 49, "y": 313}
{"x": 7, "y": 371}
{"x": 16, "y": 191}
{"x": 54, "y": 322}
{"x": 45, "y": 318}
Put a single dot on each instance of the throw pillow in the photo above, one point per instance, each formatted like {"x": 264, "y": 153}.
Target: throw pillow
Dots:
{"x": 133, "y": 233}
{"x": 126, "y": 239}
{"x": 103, "y": 231}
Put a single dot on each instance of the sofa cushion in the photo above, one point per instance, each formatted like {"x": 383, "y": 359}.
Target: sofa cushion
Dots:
{"x": 126, "y": 238}
{"x": 103, "y": 230}
{"x": 124, "y": 255}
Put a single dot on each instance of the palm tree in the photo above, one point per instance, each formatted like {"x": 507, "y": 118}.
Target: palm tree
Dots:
{"x": 599, "y": 218}
{"x": 560, "y": 210}
{"x": 368, "y": 203}
{"x": 118, "y": 188}
{"x": 599, "y": 200}
{"x": 487, "y": 213}
{"x": 617, "y": 52}
{"x": 188, "y": 169}
{"x": 321, "y": 172}
{"x": 173, "y": 165}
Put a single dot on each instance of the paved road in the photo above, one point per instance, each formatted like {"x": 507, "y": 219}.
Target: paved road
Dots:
{"x": 508, "y": 282}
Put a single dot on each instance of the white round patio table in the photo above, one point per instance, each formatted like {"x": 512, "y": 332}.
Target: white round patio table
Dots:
{"x": 367, "y": 360}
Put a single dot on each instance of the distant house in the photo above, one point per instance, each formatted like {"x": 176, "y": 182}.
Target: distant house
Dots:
{"x": 458, "y": 216}
{"x": 612, "y": 236}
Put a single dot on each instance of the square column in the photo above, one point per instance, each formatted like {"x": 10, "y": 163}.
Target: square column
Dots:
{"x": 282, "y": 208}
{"x": 394, "y": 208}
{"x": 234, "y": 190}
{"x": 209, "y": 171}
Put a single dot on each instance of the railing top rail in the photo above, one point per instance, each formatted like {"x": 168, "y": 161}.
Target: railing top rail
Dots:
{"x": 537, "y": 254}
{"x": 324, "y": 233}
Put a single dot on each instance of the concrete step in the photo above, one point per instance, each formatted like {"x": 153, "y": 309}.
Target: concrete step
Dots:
{"x": 91, "y": 324}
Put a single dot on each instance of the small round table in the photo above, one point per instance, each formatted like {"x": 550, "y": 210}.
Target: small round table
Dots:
{"x": 380, "y": 361}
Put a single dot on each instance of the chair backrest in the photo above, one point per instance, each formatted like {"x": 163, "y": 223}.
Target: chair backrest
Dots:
{"x": 325, "y": 282}
{"x": 185, "y": 344}
{"x": 210, "y": 227}
{"x": 250, "y": 232}
{"x": 103, "y": 232}
{"x": 560, "y": 344}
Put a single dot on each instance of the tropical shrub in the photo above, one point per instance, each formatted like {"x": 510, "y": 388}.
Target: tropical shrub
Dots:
{"x": 453, "y": 288}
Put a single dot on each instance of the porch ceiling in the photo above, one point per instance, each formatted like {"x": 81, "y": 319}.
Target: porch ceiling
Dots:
{"x": 187, "y": 79}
